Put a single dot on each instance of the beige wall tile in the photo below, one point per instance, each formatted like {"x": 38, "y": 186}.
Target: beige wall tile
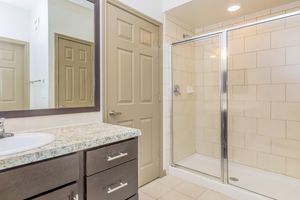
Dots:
{"x": 271, "y": 163}
{"x": 236, "y": 77}
{"x": 258, "y": 143}
{"x": 269, "y": 58}
{"x": 208, "y": 149}
{"x": 236, "y": 46}
{"x": 293, "y": 93}
{"x": 211, "y": 79}
{"x": 293, "y": 21}
{"x": 293, "y": 130}
{"x": 286, "y": 111}
{"x": 236, "y": 108}
{"x": 271, "y": 26}
{"x": 286, "y": 74}
{"x": 243, "y": 156}
{"x": 211, "y": 135}
{"x": 258, "y": 42}
{"x": 271, "y": 92}
{"x": 244, "y": 61}
{"x": 244, "y": 125}
{"x": 258, "y": 76}
{"x": 293, "y": 167}
{"x": 236, "y": 140}
{"x": 199, "y": 53}
{"x": 272, "y": 128}
{"x": 199, "y": 79}
{"x": 243, "y": 93}
{"x": 284, "y": 38}
{"x": 284, "y": 147}
{"x": 293, "y": 55}
{"x": 258, "y": 109}
{"x": 211, "y": 93}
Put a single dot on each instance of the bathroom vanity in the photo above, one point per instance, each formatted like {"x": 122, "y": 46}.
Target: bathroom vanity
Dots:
{"x": 93, "y": 162}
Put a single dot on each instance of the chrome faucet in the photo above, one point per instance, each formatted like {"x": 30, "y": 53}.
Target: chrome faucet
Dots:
{"x": 3, "y": 133}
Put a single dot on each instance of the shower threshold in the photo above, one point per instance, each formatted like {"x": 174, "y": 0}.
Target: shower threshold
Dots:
{"x": 263, "y": 182}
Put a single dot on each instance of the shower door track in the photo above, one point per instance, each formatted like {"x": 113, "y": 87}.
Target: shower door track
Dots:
{"x": 223, "y": 89}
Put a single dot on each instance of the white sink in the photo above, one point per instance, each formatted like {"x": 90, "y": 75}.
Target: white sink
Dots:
{"x": 24, "y": 142}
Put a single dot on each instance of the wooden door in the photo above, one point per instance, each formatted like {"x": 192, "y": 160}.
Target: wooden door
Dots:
{"x": 133, "y": 83}
{"x": 75, "y": 80}
{"x": 14, "y": 83}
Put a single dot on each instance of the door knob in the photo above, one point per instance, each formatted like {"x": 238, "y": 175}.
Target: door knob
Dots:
{"x": 114, "y": 113}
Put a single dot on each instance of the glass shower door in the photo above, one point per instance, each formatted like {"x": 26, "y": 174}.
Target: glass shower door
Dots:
{"x": 196, "y": 105}
{"x": 264, "y": 108}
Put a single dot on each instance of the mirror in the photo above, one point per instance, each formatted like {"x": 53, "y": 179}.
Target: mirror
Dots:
{"x": 47, "y": 54}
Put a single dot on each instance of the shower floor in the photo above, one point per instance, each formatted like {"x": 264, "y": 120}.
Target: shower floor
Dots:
{"x": 263, "y": 182}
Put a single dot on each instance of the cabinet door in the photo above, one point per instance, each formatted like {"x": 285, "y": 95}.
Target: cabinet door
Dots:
{"x": 66, "y": 193}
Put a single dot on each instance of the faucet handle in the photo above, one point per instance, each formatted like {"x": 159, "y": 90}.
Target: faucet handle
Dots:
{"x": 2, "y": 121}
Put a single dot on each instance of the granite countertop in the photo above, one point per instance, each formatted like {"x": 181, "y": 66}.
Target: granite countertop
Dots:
{"x": 68, "y": 140}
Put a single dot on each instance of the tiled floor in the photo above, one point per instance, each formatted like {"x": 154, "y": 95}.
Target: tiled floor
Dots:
{"x": 172, "y": 188}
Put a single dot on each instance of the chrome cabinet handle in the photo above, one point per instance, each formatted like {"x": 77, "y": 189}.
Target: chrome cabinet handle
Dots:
{"x": 111, "y": 190}
{"x": 114, "y": 113}
{"x": 75, "y": 197}
{"x": 121, "y": 155}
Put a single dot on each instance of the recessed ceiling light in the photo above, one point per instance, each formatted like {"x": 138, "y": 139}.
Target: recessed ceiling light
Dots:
{"x": 233, "y": 8}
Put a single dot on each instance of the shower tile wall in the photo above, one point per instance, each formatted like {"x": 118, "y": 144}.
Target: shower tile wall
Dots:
{"x": 184, "y": 104}
{"x": 207, "y": 112}
{"x": 264, "y": 94}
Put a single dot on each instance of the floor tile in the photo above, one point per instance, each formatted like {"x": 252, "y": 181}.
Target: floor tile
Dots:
{"x": 169, "y": 181}
{"x": 211, "y": 195}
{"x": 143, "y": 196}
{"x": 172, "y": 188}
{"x": 190, "y": 189}
{"x": 173, "y": 195}
{"x": 155, "y": 190}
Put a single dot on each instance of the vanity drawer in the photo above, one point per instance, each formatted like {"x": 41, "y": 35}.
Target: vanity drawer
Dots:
{"x": 28, "y": 181}
{"x": 66, "y": 193}
{"x": 118, "y": 183}
{"x": 135, "y": 197}
{"x": 107, "y": 157}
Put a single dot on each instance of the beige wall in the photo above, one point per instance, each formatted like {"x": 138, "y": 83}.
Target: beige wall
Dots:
{"x": 264, "y": 100}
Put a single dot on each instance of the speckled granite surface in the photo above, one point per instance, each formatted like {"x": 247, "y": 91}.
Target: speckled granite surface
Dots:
{"x": 69, "y": 140}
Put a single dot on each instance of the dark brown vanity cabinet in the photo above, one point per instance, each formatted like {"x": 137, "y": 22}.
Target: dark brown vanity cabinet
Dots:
{"x": 66, "y": 193}
{"x": 104, "y": 173}
{"x": 112, "y": 172}
{"x": 31, "y": 180}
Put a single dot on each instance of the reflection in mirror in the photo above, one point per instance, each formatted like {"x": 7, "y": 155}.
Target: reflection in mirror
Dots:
{"x": 46, "y": 54}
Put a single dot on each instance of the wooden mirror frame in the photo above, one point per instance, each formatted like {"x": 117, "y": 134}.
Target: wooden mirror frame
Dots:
{"x": 60, "y": 111}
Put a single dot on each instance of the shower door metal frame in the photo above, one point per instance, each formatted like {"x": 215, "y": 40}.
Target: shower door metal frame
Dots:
{"x": 223, "y": 78}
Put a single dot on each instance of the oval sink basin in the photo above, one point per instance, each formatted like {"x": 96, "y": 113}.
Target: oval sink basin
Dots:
{"x": 24, "y": 142}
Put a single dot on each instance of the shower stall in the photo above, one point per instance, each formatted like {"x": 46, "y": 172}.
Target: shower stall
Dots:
{"x": 236, "y": 106}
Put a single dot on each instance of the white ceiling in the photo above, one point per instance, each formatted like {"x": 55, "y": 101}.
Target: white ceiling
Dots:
{"x": 198, "y": 13}
{"x": 25, "y": 4}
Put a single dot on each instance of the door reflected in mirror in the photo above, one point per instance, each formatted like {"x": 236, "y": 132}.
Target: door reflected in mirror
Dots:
{"x": 46, "y": 54}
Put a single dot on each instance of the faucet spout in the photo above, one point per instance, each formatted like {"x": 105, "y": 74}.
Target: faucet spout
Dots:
{"x": 3, "y": 133}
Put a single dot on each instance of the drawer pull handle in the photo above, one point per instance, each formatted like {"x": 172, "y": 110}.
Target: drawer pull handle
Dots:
{"x": 111, "y": 190}
{"x": 76, "y": 197}
{"x": 121, "y": 155}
